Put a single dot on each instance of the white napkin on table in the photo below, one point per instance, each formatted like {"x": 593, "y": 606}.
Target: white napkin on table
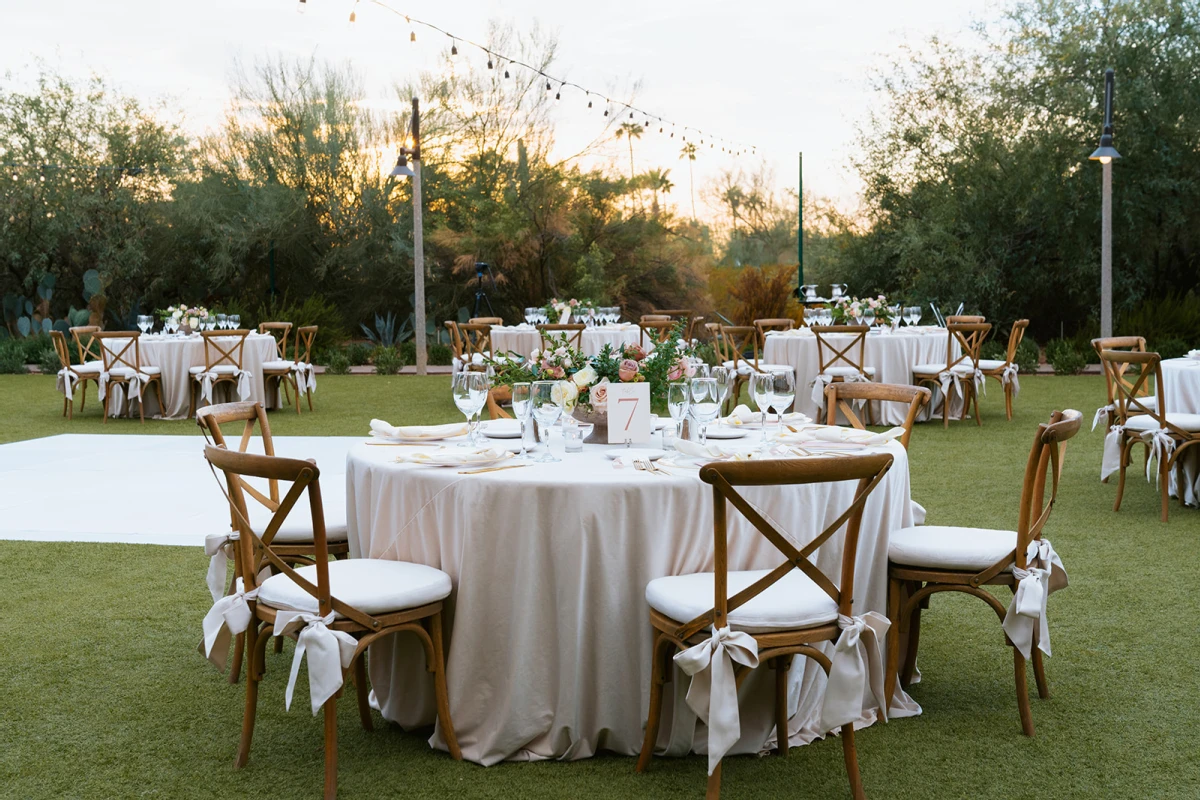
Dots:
{"x": 417, "y": 432}
{"x": 828, "y": 433}
{"x": 454, "y": 458}
{"x": 711, "y": 451}
{"x": 1193, "y": 354}
{"x": 742, "y": 415}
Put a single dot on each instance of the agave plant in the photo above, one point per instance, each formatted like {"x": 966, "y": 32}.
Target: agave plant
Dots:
{"x": 386, "y": 334}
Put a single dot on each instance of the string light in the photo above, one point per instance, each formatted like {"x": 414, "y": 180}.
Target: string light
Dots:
{"x": 505, "y": 72}
{"x": 454, "y": 49}
{"x": 489, "y": 60}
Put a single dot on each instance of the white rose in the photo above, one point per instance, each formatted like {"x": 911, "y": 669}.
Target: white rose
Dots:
{"x": 561, "y": 351}
{"x": 585, "y": 377}
{"x": 564, "y": 395}
{"x": 535, "y": 354}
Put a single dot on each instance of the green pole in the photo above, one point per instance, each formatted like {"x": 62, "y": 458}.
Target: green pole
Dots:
{"x": 271, "y": 261}
{"x": 800, "y": 236}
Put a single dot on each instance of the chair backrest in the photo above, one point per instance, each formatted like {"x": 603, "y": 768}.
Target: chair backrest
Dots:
{"x": 714, "y": 333}
{"x": 280, "y": 332}
{"x": 86, "y": 344}
{"x": 254, "y": 550}
{"x": 304, "y": 338}
{"x": 119, "y": 349}
{"x": 486, "y": 320}
{"x": 476, "y": 337}
{"x": 1130, "y": 388}
{"x": 572, "y": 331}
{"x": 653, "y": 317}
{"x": 211, "y": 418}
{"x": 839, "y": 395}
{"x": 1135, "y": 344}
{"x": 693, "y": 324}
{"x": 970, "y": 337}
{"x": 455, "y": 339}
{"x": 841, "y": 352}
{"x": 965, "y": 318}
{"x": 772, "y": 324}
{"x": 1015, "y": 335}
{"x": 59, "y": 340}
{"x": 221, "y": 353}
{"x": 737, "y": 340}
{"x": 657, "y": 330}
{"x": 726, "y": 476}
{"x": 673, "y": 313}
{"x": 1045, "y": 460}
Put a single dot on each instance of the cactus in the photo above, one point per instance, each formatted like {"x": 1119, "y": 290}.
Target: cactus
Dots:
{"x": 92, "y": 285}
{"x": 45, "y": 289}
{"x": 24, "y": 326}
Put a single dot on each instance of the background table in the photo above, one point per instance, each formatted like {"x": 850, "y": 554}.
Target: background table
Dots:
{"x": 175, "y": 354}
{"x": 549, "y": 632}
{"x": 524, "y": 340}
{"x": 892, "y": 354}
{"x": 1181, "y": 392}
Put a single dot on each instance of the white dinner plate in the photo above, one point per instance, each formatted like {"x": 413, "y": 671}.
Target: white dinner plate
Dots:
{"x": 502, "y": 429}
{"x": 635, "y": 452}
{"x": 723, "y": 432}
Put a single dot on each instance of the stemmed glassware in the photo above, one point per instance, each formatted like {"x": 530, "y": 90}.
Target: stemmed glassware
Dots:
{"x": 522, "y": 405}
{"x": 531, "y": 315}
{"x": 235, "y": 321}
{"x": 144, "y": 323}
{"x": 724, "y": 378}
{"x": 546, "y": 410}
{"x": 783, "y": 394}
{"x": 678, "y": 400}
{"x": 706, "y": 404}
{"x": 170, "y": 325}
{"x": 222, "y": 321}
{"x": 470, "y": 395}
{"x": 869, "y": 317}
{"x": 762, "y": 388}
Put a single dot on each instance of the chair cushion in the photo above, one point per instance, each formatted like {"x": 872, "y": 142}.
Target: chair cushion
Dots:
{"x": 279, "y": 365}
{"x": 938, "y": 369}
{"x": 1145, "y": 422}
{"x": 372, "y": 585}
{"x": 988, "y": 364}
{"x": 794, "y": 601}
{"x": 89, "y": 367}
{"x": 949, "y": 547}
{"x": 847, "y": 372}
{"x": 744, "y": 367}
{"x": 220, "y": 369}
{"x": 297, "y": 528}
{"x": 127, "y": 372}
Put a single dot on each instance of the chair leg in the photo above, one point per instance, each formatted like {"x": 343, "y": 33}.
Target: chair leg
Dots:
{"x": 142, "y": 406}
{"x": 331, "y": 754}
{"x": 713, "y": 790}
{"x": 253, "y": 676}
{"x": 1022, "y": 693}
{"x": 439, "y": 687}
{"x": 783, "y": 665}
{"x": 64, "y": 405}
{"x": 910, "y": 653}
{"x": 107, "y": 400}
{"x": 1164, "y": 477}
{"x": 975, "y": 402}
{"x": 1125, "y": 453}
{"x": 851, "y": 755}
{"x": 308, "y": 396}
{"x": 659, "y": 675}
{"x": 893, "y": 640}
{"x": 363, "y": 689}
{"x": 1039, "y": 673}
{"x": 1008, "y": 398}
{"x": 83, "y": 397}
{"x": 235, "y": 669}
{"x": 191, "y": 399}
{"x": 278, "y": 644}
{"x": 296, "y": 387}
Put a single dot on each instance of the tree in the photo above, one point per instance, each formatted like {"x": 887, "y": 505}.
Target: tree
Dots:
{"x": 658, "y": 180}
{"x": 631, "y": 131}
{"x": 689, "y": 152}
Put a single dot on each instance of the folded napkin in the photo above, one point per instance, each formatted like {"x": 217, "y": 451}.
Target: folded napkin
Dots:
{"x": 742, "y": 415}
{"x": 417, "y": 432}
{"x": 454, "y": 458}
{"x": 524, "y": 326}
{"x": 828, "y": 433}
{"x": 711, "y": 451}
{"x": 1193, "y": 354}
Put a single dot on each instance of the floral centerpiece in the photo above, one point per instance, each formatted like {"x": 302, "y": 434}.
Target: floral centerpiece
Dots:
{"x": 184, "y": 316}
{"x": 556, "y": 309}
{"x": 848, "y": 309}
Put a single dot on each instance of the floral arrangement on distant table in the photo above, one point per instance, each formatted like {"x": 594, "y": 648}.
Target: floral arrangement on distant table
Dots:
{"x": 555, "y": 309}
{"x": 183, "y": 314}
{"x": 848, "y": 309}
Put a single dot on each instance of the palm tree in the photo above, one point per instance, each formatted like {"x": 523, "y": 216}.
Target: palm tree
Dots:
{"x": 658, "y": 180}
{"x": 689, "y": 152}
{"x": 631, "y": 131}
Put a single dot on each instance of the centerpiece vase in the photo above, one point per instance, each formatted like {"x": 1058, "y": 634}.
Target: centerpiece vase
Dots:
{"x": 593, "y": 417}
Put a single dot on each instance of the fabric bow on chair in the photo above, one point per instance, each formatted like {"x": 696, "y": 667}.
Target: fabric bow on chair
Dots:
{"x": 329, "y": 653}
{"x": 1102, "y": 413}
{"x": 243, "y": 384}
{"x": 229, "y": 616}
{"x": 215, "y": 545}
{"x": 1028, "y": 606}
{"x": 713, "y": 691}
{"x": 857, "y": 662}
{"x": 1010, "y": 376}
{"x": 822, "y": 380}
{"x": 1162, "y": 444}
{"x": 1111, "y": 460}
{"x": 66, "y": 382}
{"x": 306, "y": 376}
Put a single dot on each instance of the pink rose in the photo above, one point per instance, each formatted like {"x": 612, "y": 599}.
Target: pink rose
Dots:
{"x": 599, "y": 395}
{"x": 634, "y": 352}
{"x": 557, "y": 372}
{"x": 628, "y": 370}
{"x": 574, "y": 302}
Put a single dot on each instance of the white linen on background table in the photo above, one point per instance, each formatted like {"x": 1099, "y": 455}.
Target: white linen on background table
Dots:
{"x": 1181, "y": 393}
{"x": 175, "y": 354}
{"x": 524, "y": 341}
{"x": 549, "y": 632}
{"x": 892, "y": 354}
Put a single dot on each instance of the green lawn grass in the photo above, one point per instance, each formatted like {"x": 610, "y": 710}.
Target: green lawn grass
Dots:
{"x": 102, "y": 693}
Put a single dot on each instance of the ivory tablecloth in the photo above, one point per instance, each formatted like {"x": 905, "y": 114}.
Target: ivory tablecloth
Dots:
{"x": 549, "y": 632}
{"x": 523, "y": 340}
{"x": 1181, "y": 393}
{"x": 893, "y": 354}
{"x": 175, "y": 354}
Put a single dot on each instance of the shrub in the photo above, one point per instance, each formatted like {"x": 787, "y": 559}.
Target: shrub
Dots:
{"x": 408, "y": 351}
{"x": 338, "y": 364}
{"x": 994, "y": 350}
{"x": 387, "y": 361}
{"x": 315, "y": 310}
{"x": 48, "y": 362}
{"x": 1170, "y": 348}
{"x": 441, "y": 355}
{"x": 707, "y": 353}
{"x": 1176, "y": 316}
{"x": 359, "y": 354}
{"x": 1063, "y": 356}
{"x": 762, "y": 293}
{"x": 12, "y": 357}
{"x": 1027, "y": 355}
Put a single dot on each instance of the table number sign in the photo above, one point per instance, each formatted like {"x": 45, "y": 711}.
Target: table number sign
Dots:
{"x": 628, "y": 413}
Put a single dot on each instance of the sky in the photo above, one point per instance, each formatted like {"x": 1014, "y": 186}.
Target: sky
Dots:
{"x": 786, "y": 77}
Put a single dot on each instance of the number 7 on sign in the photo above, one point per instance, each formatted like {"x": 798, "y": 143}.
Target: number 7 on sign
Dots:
{"x": 633, "y": 404}
{"x": 629, "y": 413}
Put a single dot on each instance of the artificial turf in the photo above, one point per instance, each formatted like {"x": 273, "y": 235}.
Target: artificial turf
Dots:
{"x": 102, "y": 692}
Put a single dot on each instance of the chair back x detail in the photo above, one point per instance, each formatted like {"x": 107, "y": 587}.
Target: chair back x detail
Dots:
{"x": 218, "y": 353}
{"x": 970, "y": 337}
{"x": 280, "y": 331}
{"x": 573, "y": 332}
{"x": 852, "y": 351}
{"x": 86, "y": 343}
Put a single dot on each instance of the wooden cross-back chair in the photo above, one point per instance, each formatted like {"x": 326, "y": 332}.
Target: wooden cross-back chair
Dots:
{"x": 685, "y": 314}
{"x": 968, "y": 337}
{"x": 295, "y": 541}
{"x": 841, "y": 359}
{"x": 965, "y": 318}
{"x": 1005, "y": 371}
{"x": 280, "y": 369}
{"x": 280, "y": 332}
{"x": 306, "y": 382}
{"x": 122, "y": 355}
{"x": 334, "y": 593}
{"x": 486, "y": 320}
{"x": 772, "y": 324}
{"x": 841, "y": 396}
{"x": 222, "y": 361}
{"x": 654, "y": 317}
{"x": 925, "y": 560}
{"x": 572, "y": 330}
{"x": 1136, "y": 344}
{"x": 655, "y": 331}
{"x": 473, "y": 342}
{"x": 70, "y": 374}
{"x": 812, "y": 594}
{"x": 1150, "y": 424}
{"x": 91, "y": 362}
{"x": 736, "y": 341}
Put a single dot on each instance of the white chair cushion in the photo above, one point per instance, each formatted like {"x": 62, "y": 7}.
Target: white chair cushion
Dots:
{"x": 937, "y": 369}
{"x": 1149, "y": 402}
{"x": 89, "y": 368}
{"x": 127, "y": 372}
{"x": 988, "y": 364}
{"x": 793, "y": 601}
{"x": 744, "y": 367}
{"x": 1145, "y": 422}
{"x": 949, "y": 547}
{"x": 220, "y": 369}
{"x": 279, "y": 365}
{"x": 297, "y": 528}
{"x": 847, "y": 372}
{"x": 372, "y": 585}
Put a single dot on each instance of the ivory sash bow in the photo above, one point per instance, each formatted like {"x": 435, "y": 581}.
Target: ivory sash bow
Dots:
{"x": 306, "y": 376}
{"x": 1028, "y": 606}
{"x": 329, "y": 654}
{"x": 218, "y": 562}
{"x": 980, "y": 382}
{"x": 66, "y": 382}
{"x": 1162, "y": 444}
{"x": 229, "y": 616}
{"x": 207, "y": 379}
{"x": 1111, "y": 461}
{"x": 1102, "y": 413}
{"x": 857, "y": 665}
{"x": 713, "y": 691}
{"x": 822, "y": 380}
{"x": 1010, "y": 376}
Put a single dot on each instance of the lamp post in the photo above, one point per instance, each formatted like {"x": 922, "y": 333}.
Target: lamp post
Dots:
{"x": 402, "y": 170}
{"x": 1105, "y": 154}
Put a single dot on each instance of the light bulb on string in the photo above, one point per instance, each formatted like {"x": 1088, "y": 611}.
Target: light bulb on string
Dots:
{"x": 506, "y": 75}
{"x": 547, "y": 87}
{"x": 631, "y": 115}
{"x": 589, "y": 96}
{"x": 558, "y": 94}
{"x": 412, "y": 36}
{"x": 606, "y": 112}
{"x": 490, "y": 61}
{"x": 353, "y": 16}
{"x": 454, "y": 49}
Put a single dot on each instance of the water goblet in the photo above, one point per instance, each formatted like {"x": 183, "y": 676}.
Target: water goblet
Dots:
{"x": 783, "y": 393}
{"x": 762, "y": 389}
{"x": 546, "y": 410}
{"x": 724, "y": 378}
{"x": 222, "y": 321}
{"x": 235, "y": 321}
{"x": 868, "y": 317}
{"x": 678, "y": 400}
{"x": 706, "y": 404}
{"x": 523, "y": 409}
{"x": 466, "y": 389}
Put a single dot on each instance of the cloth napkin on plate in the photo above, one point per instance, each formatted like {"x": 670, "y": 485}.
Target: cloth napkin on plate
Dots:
{"x": 742, "y": 415}
{"x": 454, "y": 458}
{"x": 711, "y": 451}
{"x": 827, "y": 433}
{"x": 417, "y": 432}
{"x": 1194, "y": 354}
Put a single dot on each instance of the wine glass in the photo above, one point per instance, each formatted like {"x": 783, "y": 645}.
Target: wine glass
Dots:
{"x": 235, "y": 321}
{"x": 222, "y": 321}
{"x": 706, "y": 404}
{"x": 678, "y": 401}
{"x": 546, "y": 410}
{"x": 724, "y": 378}
{"x": 869, "y": 316}
{"x": 522, "y": 406}
{"x": 702, "y": 370}
{"x": 466, "y": 388}
{"x": 479, "y": 395}
{"x": 762, "y": 388}
{"x": 783, "y": 393}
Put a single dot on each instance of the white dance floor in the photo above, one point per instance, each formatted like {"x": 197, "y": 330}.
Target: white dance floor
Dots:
{"x": 131, "y": 488}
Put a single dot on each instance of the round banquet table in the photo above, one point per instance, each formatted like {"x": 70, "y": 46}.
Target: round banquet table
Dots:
{"x": 1180, "y": 391}
{"x": 550, "y": 642}
{"x": 893, "y": 354}
{"x": 523, "y": 340}
{"x": 175, "y": 354}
